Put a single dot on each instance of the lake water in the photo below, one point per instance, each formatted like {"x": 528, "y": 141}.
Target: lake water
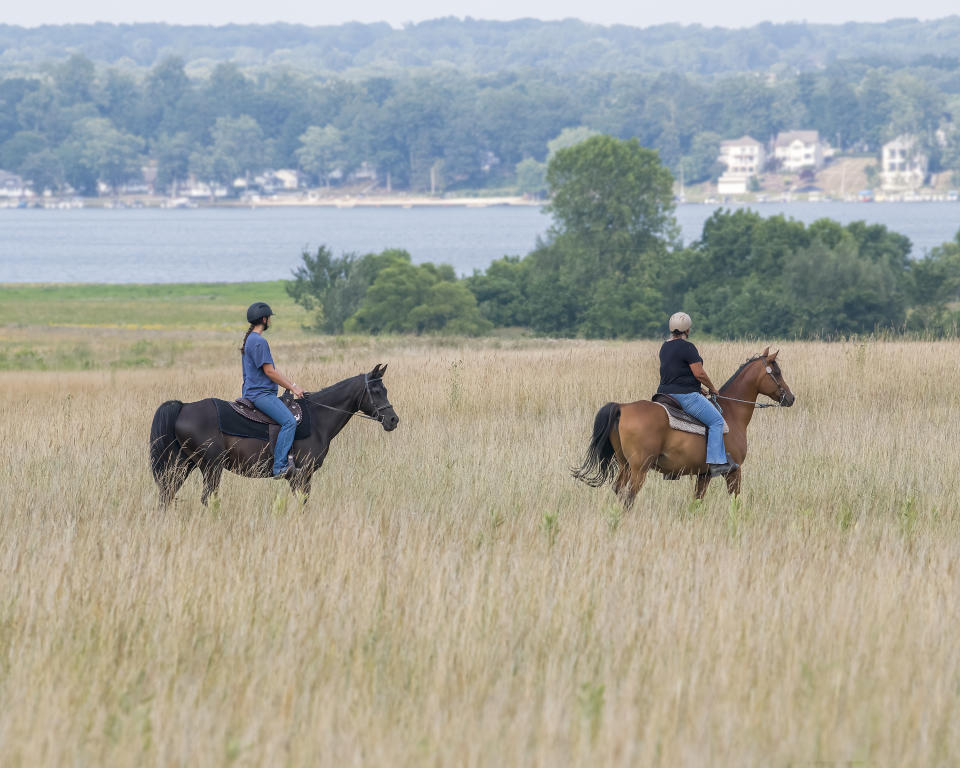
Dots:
{"x": 219, "y": 244}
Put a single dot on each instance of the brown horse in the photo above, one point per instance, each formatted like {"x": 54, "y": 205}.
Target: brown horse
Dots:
{"x": 632, "y": 438}
{"x": 187, "y": 436}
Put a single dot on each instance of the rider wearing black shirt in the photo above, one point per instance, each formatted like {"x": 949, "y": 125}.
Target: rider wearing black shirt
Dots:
{"x": 681, "y": 374}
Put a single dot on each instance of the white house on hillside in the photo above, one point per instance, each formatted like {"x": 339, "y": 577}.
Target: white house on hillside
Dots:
{"x": 903, "y": 166}
{"x": 743, "y": 158}
{"x": 799, "y": 150}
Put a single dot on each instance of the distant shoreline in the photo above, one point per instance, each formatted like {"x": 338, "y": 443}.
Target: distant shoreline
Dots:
{"x": 404, "y": 202}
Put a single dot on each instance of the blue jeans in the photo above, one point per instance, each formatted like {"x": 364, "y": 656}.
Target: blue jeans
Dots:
{"x": 700, "y": 408}
{"x": 271, "y": 405}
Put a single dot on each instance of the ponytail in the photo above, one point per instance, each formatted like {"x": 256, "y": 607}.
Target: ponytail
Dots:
{"x": 243, "y": 346}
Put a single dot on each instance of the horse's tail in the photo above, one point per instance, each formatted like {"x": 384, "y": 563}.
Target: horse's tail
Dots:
{"x": 599, "y": 466}
{"x": 164, "y": 446}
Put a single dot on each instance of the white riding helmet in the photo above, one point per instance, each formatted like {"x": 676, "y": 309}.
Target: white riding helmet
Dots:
{"x": 680, "y": 321}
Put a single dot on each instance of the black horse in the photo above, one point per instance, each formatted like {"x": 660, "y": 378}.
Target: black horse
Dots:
{"x": 185, "y": 436}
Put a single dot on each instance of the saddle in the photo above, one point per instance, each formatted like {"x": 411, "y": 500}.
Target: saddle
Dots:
{"x": 679, "y": 418}
{"x": 245, "y": 408}
{"x": 240, "y": 419}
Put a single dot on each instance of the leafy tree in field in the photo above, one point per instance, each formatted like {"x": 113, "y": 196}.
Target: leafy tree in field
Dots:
{"x": 501, "y": 291}
{"x": 322, "y": 151}
{"x": 333, "y": 287}
{"x": 612, "y": 203}
{"x": 750, "y": 276}
{"x": 834, "y": 290}
{"x": 612, "y": 194}
{"x": 935, "y": 290}
{"x": 407, "y": 298}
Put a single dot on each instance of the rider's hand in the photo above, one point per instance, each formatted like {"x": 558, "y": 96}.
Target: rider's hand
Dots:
{"x": 297, "y": 391}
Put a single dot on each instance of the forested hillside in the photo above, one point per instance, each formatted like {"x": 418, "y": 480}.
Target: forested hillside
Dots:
{"x": 471, "y": 45}
{"x": 424, "y": 108}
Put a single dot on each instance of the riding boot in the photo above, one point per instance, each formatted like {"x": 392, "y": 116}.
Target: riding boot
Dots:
{"x": 290, "y": 469}
{"x": 723, "y": 469}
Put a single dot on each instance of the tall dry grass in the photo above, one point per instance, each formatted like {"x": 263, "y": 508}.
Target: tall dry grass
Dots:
{"x": 450, "y": 596}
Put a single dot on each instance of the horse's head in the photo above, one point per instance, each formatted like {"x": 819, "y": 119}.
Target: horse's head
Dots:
{"x": 770, "y": 381}
{"x": 375, "y": 403}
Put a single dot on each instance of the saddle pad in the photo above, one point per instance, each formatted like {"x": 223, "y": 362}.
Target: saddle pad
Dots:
{"x": 232, "y": 423}
{"x": 682, "y": 422}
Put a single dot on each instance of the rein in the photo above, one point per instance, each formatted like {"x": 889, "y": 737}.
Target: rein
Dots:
{"x": 754, "y": 403}
{"x": 356, "y": 411}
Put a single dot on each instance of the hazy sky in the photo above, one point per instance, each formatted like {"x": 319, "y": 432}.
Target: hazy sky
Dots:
{"x": 733, "y": 13}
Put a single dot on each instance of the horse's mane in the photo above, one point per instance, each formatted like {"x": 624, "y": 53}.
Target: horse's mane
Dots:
{"x": 333, "y": 389}
{"x": 740, "y": 370}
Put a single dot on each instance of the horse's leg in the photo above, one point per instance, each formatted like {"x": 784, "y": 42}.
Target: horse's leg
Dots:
{"x": 636, "y": 473}
{"x": 300, "y": 485}
{"x": 733, "y": 482}
{"x": 211, "y": 479}
{"x": 173, "y": 478}
{"x": 623, "y": 476}
{"x": 702, "y": 482}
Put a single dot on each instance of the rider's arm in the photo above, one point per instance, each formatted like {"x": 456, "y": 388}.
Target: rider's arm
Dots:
{"x": 698, "y": 372}
{"x": 278, "y": 378}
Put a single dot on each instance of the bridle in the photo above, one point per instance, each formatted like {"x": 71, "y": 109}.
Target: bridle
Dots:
{"x": 781, "y": 392}
{"x": 356, "y": 411}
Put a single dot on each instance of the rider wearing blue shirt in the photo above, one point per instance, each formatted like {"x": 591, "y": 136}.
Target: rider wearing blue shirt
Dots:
{"x": 681, "y": 374}
{"x": 260, "y": 381}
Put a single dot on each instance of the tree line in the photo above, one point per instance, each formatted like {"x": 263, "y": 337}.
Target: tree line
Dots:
{"x": 90, "y": 126}
{"x": 478, "y": 46}
{"x": 611, "y": 267}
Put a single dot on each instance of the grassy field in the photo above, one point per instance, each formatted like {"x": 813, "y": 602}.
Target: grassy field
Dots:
{"x": 157, "y": 306}
{"x": 450, "y": 596}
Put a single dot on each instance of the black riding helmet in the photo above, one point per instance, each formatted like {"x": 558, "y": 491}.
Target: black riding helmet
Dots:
{"x": 258, "y": 310}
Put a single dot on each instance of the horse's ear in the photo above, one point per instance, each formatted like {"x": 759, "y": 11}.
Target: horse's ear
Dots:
{"x": 773, "y": 356}
{"x": 383, "y": 371}
{"x": 377, "y": 372}
{"x": 765, "y": 352}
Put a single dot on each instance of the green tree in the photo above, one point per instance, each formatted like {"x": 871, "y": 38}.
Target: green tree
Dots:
{"x": 322, "y": 151}
{"x": 172, "y": 154}
{"x": 74, "y": 79}
{"x": 613, "y": 194}
{"x": 701, "y": 163}
{"x": 237, "y": 151}
{"x": 501, "y": 291}
{"x": 531, "y": 177}
{"x": 936, "y": 290}
{"x": 43, "y": 170}
{"x": 569, "y": 137}
{"x": 599, "y": 271}
{"x": 834, "y": 290}
{"x": 15, "y": 149}
{"x": 423, "y": 298}
{"x": 97, "y": 151}
{"x": 333, "y": 287}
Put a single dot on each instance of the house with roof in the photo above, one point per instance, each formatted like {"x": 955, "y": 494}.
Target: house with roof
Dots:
{"x": 743, "y": 158}
{"x": 799, "y": 150}
{"x": 903, "y": 166}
